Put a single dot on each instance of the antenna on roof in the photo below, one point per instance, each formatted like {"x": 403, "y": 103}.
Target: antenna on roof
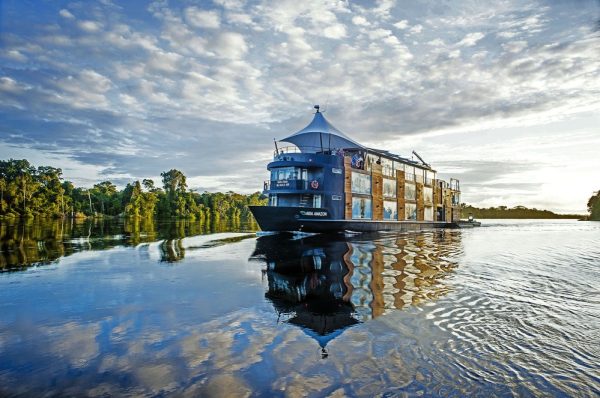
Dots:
{"x": 421, "y": 159}
{"x": 317, "y": 108}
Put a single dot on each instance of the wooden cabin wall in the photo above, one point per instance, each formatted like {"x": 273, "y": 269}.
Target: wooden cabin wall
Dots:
{"x": 377, "y": 191}
{"x": 400, "y": 180}
{"x": 347, "y": 188}
{"x": 448, "y": 204}
{"x": 420, "y": 202}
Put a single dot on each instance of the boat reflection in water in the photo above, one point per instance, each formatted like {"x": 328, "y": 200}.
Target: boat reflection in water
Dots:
{"x": 326, "y": 284}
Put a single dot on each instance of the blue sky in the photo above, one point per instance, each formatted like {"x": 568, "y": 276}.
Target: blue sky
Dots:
{"x": 503, "y": 95}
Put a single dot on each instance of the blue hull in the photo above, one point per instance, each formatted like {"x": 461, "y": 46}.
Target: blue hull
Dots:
{"x": 294, "y": 219}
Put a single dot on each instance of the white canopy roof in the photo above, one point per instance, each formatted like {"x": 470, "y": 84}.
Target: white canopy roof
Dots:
{"x": 321, "y": 135}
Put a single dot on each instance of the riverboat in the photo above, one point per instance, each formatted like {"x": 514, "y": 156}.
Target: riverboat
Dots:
{"x": 327, "y": 182}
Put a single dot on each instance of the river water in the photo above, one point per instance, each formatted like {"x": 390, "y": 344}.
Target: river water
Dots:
{"x": 508, "y": 309}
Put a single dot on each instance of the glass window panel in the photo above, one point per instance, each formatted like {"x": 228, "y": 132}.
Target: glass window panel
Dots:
{"x": 428, "y": 213}
{"x": 428, "y": 195}
{"x": 390, "y": 210}
{"x": 387, "y": 167}
{"x": 410, "y": 192}
{"x": 361, "y": 208}
{"x": 410, "y": 211}
{"x": 389, "y": 188}
{"x": 285, "y": 173}
{"x": 361, "y": 183}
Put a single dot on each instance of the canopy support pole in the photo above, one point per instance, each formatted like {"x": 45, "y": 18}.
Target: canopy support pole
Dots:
{"x": 321, "y": 137}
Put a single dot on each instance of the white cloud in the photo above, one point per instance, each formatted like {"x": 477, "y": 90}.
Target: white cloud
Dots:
{"x": 416, "y": 29}
{"x": 229, "y": 45}
{"x": 15, "y": 55}
{"x": 471, "y": 39}
{"x": 66, "y": 14}
{"x": 515, "y": 46}
{"x": 337, "y": 31}
{"x": 202, "y": 19}
{"x": 360, "y": 21}
{"x": 9, "y": 85}
{"x": 403, "y": 24}
{"x": 90, "y": 26}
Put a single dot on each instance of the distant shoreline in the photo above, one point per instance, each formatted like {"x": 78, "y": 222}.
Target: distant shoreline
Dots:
{"x": 516, "y": 213}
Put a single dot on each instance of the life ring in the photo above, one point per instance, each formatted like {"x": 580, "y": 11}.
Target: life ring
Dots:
{"x": 314, "y": 184}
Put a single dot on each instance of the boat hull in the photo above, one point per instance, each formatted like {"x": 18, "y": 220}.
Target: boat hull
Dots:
{"x": 294, "y": 219}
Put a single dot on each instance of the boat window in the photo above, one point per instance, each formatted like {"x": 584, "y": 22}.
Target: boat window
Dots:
{"x": 411, "y": 211}
{"x": 387, "y": 166}
{"x": 371, "y": 159}
{"x": 390, "y": 210}
{"x": 389, "y": 188}
{"x": 419, "y": 174}
{"x": 428, "y": 214}
{"x": 361, "y": 183}
{"x": 285, "y": 173}
{"x": 410, "y": 192}
{"x": 455, "y": 199}
{"x": 428, "y": 195}
{"x": 409, "y": 173}
{"x": 361, "y": 208}
{"x": 273, "y": 200}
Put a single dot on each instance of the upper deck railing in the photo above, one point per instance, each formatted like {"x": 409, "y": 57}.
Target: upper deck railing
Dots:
{"x": 307, "y": 149}
{"x": 293, "y": 184}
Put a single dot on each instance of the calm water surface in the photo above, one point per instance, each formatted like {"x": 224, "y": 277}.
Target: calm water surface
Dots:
{"x": 509, "y": 309}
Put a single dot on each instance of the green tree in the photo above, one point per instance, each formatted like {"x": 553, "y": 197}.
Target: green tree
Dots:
{"x": 175, "y": 186}
{"x": 593, "y": 206}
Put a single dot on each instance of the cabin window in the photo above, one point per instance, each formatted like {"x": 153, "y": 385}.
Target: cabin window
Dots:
{"x": 410, "y": 211}
{"x": 361, "y": 183}
{"x": 390, "y": 210}
{"x": 428, "y": 195}
{"x": 409, "y": 173}
{"x": 361, "y": 208}
{"x": 428, "y": 213}
{"x": 371, "y": 159}
{"x": 410, "y": 191}
{"x": 389, "y": 188}
{"x": 455, "y": 199}
{"x": 429, "y": 177}
{"x": 419, "y": 174}
{"x": 387, "y": 166}
{"x": 273, "y": 200}
{"x": 288, "y": 173}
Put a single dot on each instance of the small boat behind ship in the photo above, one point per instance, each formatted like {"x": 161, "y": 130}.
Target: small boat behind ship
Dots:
{"x": 327, "y": 182}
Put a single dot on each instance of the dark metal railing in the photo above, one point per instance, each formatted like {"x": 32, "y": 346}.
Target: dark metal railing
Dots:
{"x": 274, "y": 185}
{"x": 307, "y": 149}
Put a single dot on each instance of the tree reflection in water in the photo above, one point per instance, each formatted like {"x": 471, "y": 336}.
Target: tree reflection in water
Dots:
{"x": 42, "y": 242}
{"x": 326, "y": 284}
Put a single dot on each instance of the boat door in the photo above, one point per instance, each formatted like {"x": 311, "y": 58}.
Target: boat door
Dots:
{"x": 317, "y": 201}
{"x": 304, "y": 175}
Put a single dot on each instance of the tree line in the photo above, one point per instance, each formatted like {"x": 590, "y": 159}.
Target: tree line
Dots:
{"x": 27, "y": 191}
{"x": 593, "y": 206}
{"x": 514, "y": 212}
